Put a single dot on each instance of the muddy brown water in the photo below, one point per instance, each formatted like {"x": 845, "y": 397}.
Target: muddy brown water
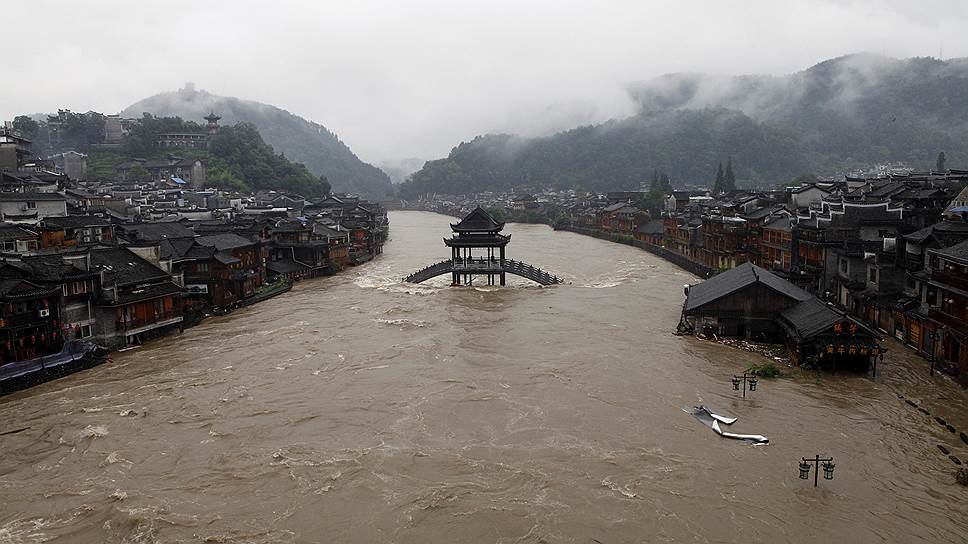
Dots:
{"x": 359, "y": 409}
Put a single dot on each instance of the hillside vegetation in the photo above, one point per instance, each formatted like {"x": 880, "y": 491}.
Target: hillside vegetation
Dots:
{"x": 840, "y": 115}
{"x": 303, "y": 141}
{"x": 236, "y": 158}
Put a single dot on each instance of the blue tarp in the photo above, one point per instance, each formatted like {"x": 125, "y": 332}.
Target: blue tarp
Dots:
{"x": 179, "y": 181}
{"x": 72, "y": 351}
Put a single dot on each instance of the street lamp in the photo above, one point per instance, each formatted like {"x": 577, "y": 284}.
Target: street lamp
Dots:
{"x": 932, "y": 336}
{"x": 827, "y": 464}
{"x": 747, "y": 380}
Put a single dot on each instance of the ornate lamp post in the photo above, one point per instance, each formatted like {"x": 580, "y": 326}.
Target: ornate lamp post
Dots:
{"x": 745, "y": 379}
{"x": 827, "y": 464}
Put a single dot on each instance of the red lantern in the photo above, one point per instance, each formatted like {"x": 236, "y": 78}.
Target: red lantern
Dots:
{"x": 21, "y": 342}
{"x": 33, "y": 339}
{"x": 42, "y": 338}
{"x": 54, "y": 323}
{"x": 7, "y": 344}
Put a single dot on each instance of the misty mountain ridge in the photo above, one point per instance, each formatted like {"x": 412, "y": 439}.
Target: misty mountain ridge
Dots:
{"x": 840, "y": 115}
{"x": 307, "y": 142}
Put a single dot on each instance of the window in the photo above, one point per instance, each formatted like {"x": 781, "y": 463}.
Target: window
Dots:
{"x": 201, "y": 267}
{"x": 31, "y": 205}
{"x": 86, "y": 331}
{"x": 843, "y": 266}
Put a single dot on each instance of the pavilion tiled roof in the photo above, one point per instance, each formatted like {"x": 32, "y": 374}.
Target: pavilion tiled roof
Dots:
{"x": 478, "y": 221}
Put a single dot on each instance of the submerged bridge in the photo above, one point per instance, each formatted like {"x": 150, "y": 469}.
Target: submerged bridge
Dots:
{"x": 470, "y": 267}
{"x": 479, "y": 232}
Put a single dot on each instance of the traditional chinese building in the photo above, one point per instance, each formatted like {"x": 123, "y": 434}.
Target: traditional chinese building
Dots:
{"x": 477, "y": 248}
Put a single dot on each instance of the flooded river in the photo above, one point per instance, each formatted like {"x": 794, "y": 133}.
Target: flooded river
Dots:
{"x": 359, "y": 409}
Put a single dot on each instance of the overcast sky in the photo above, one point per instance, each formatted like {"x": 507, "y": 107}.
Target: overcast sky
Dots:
{"x": 398, "y": 79}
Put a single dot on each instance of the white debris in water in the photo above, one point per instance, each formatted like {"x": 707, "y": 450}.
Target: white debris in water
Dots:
{"x": 89, "y": 410}
{"x": 112, "y": 458}
{"x": 118, "y": 495}
{"x": 94, "y": 431}
{"x": 624, "y": 491}
{"x": 126, "y": 413}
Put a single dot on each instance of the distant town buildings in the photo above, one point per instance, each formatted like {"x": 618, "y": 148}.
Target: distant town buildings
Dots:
{"x": 152, "y": 250}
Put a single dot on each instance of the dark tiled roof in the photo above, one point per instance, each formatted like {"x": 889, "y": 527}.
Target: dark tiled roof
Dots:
{"x": 958, "y": 251}
{"x": 15, "y": 289}
{"x": 155, "y": 232}
{"x": 53, "y": 268}
{"x": 76, "y": 221}
{"x": 780, "y": 223}
{"x": 184, "y": 248}
{"x": 22, "y": 197}
{"x": 224, "y": 242}
{"x": 738, "y": 278}
{"x": 812, "y": 316}
{"x": 122, "y": 266}
{"x": 942, "y": 228}
{"x": 478, "y": 220}
{"x": 10, "y": 231}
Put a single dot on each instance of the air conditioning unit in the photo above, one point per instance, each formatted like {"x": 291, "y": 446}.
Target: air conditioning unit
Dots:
{"x": 43, "y": 313}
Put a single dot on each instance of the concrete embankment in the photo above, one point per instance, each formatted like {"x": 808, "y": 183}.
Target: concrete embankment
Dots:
{"x": 659, "y": 251}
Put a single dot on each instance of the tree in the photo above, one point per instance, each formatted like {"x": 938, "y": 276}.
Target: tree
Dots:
{"x": 324, "y": 185}
{"x": 665, "y": 186}
{"x": 138, "y": 173}
{"x": 26, "y": 126}
{"x": 729, "y": 179}
{"x": 718, "y": 187}
{"x": 939, "y": 165}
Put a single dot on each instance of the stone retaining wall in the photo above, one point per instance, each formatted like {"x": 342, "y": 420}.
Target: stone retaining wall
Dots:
{"x": 679, "y": 260}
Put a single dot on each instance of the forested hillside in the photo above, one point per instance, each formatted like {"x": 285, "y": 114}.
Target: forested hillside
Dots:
{"x": 236, "y": 158}
{"x": 848, "y": 113}
{"x": 300, "y": 140}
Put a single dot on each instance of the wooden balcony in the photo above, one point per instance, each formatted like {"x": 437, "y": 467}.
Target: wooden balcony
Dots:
{"x": 957, "y": 281}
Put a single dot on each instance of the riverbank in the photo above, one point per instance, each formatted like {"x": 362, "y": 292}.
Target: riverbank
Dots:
{"x": 659, "y": 251}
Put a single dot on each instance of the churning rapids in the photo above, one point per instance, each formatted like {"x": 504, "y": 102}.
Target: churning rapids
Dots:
{"x": 358, "y": 408}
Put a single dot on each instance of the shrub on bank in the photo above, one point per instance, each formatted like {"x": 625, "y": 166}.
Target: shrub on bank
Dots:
{"x": 768, "y": 369}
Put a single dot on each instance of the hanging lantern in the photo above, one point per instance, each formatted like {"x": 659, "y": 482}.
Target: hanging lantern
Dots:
{"x": 33, "y": 339}
{"x": 42, "y": 338}
{"x": 7, "y": 344}
{"x": 804, "y": 470}
{"x": 752, "y": 383}
{"x": 735, "y": 384}
{"x": 828, "y": 470}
